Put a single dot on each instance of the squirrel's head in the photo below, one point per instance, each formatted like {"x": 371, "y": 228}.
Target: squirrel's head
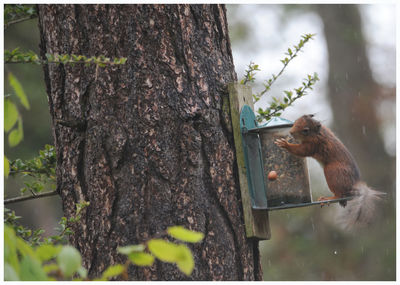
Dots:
{"x": 305, "y": 128}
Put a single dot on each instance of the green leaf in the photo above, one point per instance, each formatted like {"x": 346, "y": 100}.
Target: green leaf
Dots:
{"x": 6, "y": 167}
{"x": 183, "y": 234}
{"x": 16, "y": 135}
{"x": 170, "y": 252}
{"x": 9, "y": 273}
{"x": 69, "y": 260}
{"x": 10, "y": 248}
{"x": 46, "y": 252}
{"x": 82, "y": 272}
{"x": 10, "y": 114}
{"x": 19, "y": 91}
{"x": 31, "y": 270}
{"x": 112, "y": 271}
{"x": 141, "y": 258}
{"x": 163, "y": 250}
{"x": 131, "y": 248}
{"x": 50, "y": 267}
{"x": 15, "y": 51}
{"x": 185, "y": 261}
{"x": 50, "y": 57}
{"x": 24, "y": 248}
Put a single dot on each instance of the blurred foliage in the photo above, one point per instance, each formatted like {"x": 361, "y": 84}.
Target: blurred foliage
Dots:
{"x": 49, "y": 261}
{"x": 16, "y": 56}
{"x": 42, "y": 214}
{"x": 15, "y": 13}
{"x": 12, "y": 116}
{"x": 10, "y": 219}
{"x": 239, "y": 31}
{"x": 165, "y": 251}
{"x": 40, "y": 168}
{"x": 44, "y": 262}
{"x": 37, "y": 131}
{"x": 36, "y": 237}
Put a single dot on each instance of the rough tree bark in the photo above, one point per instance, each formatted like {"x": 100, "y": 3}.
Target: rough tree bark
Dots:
{"x": 148, "y": 143}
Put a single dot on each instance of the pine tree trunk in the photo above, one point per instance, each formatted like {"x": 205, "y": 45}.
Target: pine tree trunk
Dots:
{"x": 148, "y": 144}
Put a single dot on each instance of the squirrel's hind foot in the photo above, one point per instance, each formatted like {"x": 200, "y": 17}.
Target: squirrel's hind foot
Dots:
{"x": 327, "y": 199}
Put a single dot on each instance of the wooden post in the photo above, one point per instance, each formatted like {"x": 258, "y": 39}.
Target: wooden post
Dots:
{"x": 256, "y": 221}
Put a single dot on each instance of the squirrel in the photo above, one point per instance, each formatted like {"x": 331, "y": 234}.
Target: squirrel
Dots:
{"x": 341, "y": 170}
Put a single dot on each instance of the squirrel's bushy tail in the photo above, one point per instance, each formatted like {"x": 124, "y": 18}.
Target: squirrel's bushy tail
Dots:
{"x": 359, "y": 211}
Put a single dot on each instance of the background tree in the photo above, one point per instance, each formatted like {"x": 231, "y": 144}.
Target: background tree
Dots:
{"x": 147, "y": 144}
{"x": 354, "y": 94}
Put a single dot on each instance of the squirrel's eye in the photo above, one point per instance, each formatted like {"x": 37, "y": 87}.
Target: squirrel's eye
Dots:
{"x": 305, "y": 131}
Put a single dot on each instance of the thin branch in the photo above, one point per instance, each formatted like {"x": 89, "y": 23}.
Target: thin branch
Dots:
{"x": 285, "y": 61}
{"x": 274, "y": 78}
{"x": 57, "y": 62}
{"x": 25, "y": 198}
{"x": 28, "y": 171}
{"x": 19, "y": 20}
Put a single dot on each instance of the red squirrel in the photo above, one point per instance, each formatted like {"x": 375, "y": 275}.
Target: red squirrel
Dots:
{"x": 341, "y": 171}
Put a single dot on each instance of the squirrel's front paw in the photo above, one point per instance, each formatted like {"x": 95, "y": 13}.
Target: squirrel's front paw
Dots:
{"x": 281, "y": 143}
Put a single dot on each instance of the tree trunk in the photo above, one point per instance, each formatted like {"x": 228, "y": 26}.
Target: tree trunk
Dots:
{"x": 147, "y": 143}
{"x": 354, "y": 94}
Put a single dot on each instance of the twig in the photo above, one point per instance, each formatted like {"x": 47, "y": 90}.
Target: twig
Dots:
{"x": 39, "y": 61}
{"x": 155, "y": 236}
{"x": 19, "y": 20}
{"x": 20, "y": 199}
{"x": 285, "y": 61}
{"x": 275, "y": 77}
{"x": 27, "y": 171}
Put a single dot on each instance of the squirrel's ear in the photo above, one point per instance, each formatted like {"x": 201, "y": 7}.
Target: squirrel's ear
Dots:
{"x": 310, "y": 115}
{"x": 318, "y": 126}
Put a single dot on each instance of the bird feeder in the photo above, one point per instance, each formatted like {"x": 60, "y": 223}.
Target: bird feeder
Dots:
{"x": 276, "y": 179}
{"x": 270, "y": 177}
